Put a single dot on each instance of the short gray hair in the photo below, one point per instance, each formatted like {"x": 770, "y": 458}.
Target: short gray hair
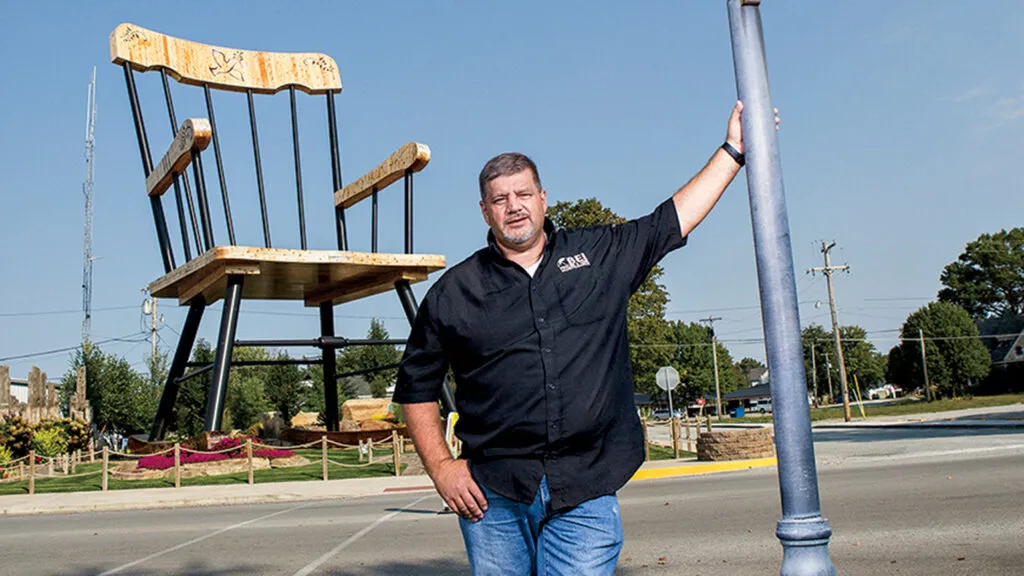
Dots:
{"x": 505, "y": 165}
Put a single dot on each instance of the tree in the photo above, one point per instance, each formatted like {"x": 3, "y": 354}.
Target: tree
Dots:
{"x": 284, "y": 388}
{"x": 862, "y": 360}
{"x": 987, "y": 279}
{"x": 955, "y": 353}
{"x": 695, "y": 363}
{"x": 122, "y": 400}
{"x": 366, "y": 357}
{"x": 648, "y": 331}
{"x": 816, "y": 341}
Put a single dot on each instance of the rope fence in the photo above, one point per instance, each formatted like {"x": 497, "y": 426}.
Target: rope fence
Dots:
{"x": 679, "y": 430}
{"x": 33, "y": 467}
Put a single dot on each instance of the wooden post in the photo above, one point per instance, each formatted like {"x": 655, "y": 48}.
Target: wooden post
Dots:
{"x": 74, "y": 461}
{"x": 689, "y": 442}
{"x": 361, "y": 445}
{"x": 106, "y": 464}
{"x": 21, "y": 471}
{"x": 31, "y": 471}
{"x": 177, "y": 465}
{"x": 709, "y": 423}
{"x": 323, "y": 455}
{"x": 675, "y": 436}
{"x": 396, "y": 448}
{"x": 248, "y": 454}
{"x": 647, "y": 445}
{"x": 369, "y": 450}
{"x": 92, "y": 455}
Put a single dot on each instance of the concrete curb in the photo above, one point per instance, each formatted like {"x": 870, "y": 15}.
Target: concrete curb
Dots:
{"x": 309, "y": 491}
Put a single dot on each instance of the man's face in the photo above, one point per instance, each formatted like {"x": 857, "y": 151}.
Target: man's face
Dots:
{"x": 514, "y": 209}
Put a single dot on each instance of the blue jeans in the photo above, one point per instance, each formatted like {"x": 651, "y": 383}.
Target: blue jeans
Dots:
{"x": 524, "y": 539}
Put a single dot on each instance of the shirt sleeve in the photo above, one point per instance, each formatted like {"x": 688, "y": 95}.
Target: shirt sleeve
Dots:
{"x": 424, "y": 365}
{"x": 640, "y": 244}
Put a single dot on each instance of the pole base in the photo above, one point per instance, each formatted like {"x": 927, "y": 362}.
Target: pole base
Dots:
{"x": 805, "y": 547}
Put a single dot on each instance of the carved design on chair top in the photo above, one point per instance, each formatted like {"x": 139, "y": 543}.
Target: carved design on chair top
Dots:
{"x": 225, "y": 68}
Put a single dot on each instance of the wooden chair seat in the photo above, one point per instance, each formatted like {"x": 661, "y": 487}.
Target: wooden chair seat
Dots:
{"x": 313, "y": 276}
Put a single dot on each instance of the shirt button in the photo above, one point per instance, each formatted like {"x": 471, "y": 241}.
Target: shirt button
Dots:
{"x": 552, "y": 387}
{"x": 540, "y": 319}
{"x": 547, "y": 350}
{"x": 534, "y": 287}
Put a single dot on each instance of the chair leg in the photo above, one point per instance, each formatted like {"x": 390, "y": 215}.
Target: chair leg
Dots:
{"x": 181, "y": 355}
{"x": 330, "y": 362}
{"x": 222, "y": 359}
{"x": 409, "y": 305}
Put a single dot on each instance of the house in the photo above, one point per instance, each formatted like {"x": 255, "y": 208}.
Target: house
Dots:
{"x": 1004, "y": 338}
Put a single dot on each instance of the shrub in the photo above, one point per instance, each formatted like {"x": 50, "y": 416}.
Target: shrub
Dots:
{"x": 19, "y": 436}
{"x": 6, "y": 455}
{"x": 78, "y": 434}
{"x": 50, "y": 442}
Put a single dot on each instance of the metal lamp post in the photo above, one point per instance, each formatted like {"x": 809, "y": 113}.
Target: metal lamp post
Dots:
{"x": 803, "y": 532}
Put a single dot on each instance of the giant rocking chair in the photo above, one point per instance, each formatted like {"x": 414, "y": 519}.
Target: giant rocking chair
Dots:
{"x": 320, "y": 278}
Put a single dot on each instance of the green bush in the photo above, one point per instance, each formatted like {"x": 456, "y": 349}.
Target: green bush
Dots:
{"x": 51, "y": 441}
{"x": 6, "y": 455}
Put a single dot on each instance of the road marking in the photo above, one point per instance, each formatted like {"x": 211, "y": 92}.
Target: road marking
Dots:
{"x": 957, "y": 452}
{"x": 201, "y": 538}
{"x": 308, "y": 569}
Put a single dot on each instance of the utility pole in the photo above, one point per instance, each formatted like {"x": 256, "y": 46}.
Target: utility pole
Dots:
{"x": 714, "y": 359}
{"x": 924, "y": 366}
{"x": 828, "y": 373}
{"x": 814, "y": 374}
{"x": 90, "y": 145}
{"x": 149, "y": 307}
{"x": 828, "y": 269}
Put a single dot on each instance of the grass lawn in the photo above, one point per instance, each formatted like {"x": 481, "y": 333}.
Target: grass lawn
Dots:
{"x": 312, "y": 471}
{"x": 905, "y": 407}
{"x": 666, "y": 453}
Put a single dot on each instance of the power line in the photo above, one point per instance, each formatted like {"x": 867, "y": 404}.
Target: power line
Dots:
{"x": 59, "y": 312}
{"x": 70, "y": 348}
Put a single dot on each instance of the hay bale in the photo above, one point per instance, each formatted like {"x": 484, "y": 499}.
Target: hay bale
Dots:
{"x": 366, "y": 409}
{"x": 305, "y": 420}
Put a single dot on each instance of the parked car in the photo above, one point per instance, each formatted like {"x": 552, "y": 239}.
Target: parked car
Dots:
{"x": 663, "y": 414}
{"x": 761, "y": 406}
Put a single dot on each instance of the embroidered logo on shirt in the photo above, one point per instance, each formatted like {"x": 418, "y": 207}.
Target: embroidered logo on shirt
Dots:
{"x": 568, "y": 263}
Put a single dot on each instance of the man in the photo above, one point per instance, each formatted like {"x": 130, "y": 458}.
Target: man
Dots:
{"x": 534, "y": 328}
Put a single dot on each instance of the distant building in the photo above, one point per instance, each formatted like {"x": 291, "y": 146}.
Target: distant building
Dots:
{"x": 1004, "y": 338}
{"x": 19, "y": 389}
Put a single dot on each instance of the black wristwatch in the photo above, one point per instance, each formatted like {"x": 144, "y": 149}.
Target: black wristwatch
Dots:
{"x": 736, "y": 154}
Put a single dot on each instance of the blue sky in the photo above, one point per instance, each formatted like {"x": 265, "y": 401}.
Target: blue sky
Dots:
{"x": 901, "y": 140}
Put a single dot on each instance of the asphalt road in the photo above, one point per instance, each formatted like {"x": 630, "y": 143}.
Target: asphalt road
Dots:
{"x": 900, "y": 502}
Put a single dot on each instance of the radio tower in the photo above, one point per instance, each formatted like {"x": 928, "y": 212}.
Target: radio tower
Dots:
{"x": 90, "y": 145}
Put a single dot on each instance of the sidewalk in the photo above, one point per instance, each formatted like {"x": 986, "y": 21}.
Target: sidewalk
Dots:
{"x": 1010, "y": 416}
{"x": 223, "y": 495}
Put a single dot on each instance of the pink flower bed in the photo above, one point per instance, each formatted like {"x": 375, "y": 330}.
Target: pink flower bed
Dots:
{"x": 166, "y": 461}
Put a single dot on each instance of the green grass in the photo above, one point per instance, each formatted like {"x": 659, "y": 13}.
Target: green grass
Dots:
{"x": 666, "y": 453}
{"x": 299, "y": 473}
{"x": 905, "y": 407}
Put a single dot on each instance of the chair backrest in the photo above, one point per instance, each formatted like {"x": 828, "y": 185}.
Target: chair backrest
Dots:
{"x": 137, "y": 49}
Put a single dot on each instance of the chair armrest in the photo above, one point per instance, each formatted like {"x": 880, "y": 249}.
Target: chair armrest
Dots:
{"x": 195, "y": 134}
{"x": 413, "y": 157}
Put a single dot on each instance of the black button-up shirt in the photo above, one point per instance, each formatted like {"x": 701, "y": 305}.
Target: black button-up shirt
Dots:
{"x": 544, "y": 385}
